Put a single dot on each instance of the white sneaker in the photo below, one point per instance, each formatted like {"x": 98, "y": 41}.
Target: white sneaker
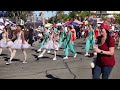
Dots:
{"x": 7, "y": 63}
{"x": 39, "y": 50}
{"x": 65, "y": 57}
{"x": 40, "y": 56}
{"x": 24, "y": 62}
{"x": 75, "y": 55}
{"x": 54, "y": 58}
{"x": 95, "y": 53}
{"x": 48, "y": 51}
{"x": 92, "y": 65}
{"x": 87, "y": 54}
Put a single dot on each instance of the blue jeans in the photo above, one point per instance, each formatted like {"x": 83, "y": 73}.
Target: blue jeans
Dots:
{"x": 101, "y": 70}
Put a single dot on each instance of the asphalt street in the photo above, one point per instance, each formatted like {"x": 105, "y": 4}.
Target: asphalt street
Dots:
{"x": 46, "y": 68}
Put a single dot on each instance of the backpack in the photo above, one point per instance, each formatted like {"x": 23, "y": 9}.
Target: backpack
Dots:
{"x": 73, "y": 37}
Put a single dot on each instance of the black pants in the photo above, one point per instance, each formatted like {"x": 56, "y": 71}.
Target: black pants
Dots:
{"x": 101, "y": 70}
{"x": 30, "y": 41}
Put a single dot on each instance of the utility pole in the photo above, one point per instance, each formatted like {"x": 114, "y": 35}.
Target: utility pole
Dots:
{"x": 43, "y": 18}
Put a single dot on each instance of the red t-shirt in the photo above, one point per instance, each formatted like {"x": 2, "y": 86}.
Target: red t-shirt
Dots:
{"x": 96, "y": 33}
{"x": 86, "y": 33}
{"x": 106, "y": 60}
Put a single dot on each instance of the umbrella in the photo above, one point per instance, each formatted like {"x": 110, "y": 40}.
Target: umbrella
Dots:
{"x": 48, "y": 25}
{"x": 74, "y": 23}
{"x": 59, "y": 24}
{"x": 68, "y": 22}
{"x": 78, "y": 22}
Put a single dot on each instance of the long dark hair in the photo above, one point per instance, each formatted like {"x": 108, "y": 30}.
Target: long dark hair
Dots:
{"x": 6, "y": 28}
{"x": 107, "y": 39}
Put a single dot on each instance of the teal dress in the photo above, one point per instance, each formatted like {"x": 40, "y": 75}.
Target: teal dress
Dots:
{"x": 69, "y": 45}
{"x": 45, "y": 40}
{"x": 55, "y": 29}
{"x": 90, "y": 40}
{"x": 62, "y": 36}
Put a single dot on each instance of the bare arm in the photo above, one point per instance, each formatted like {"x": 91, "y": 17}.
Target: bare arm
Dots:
{"x": 7, "y": 36}
{"x": 110, "y": 52}
{"x": 23, "y": 38}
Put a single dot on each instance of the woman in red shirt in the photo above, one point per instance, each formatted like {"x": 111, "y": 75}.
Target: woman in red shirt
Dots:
{"x": 105, "y": 60}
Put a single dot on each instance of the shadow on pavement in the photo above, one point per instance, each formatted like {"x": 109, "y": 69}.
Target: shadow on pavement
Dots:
{"x": 3, "y": 55}
{"x": 6, "y": 59}
{"x": 91, "y": 55}
{"x": 36, "y": 56}
{"x": 57, "y": 55}
{"x": 51, "y": 76}
{"x": 82, "y": 53}
{"x": 35, "y": 50}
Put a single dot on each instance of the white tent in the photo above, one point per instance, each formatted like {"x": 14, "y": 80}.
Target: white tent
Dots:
{"x": 59, "y": 24}
{"x": 48, "y": 25}
{"x": 7, "y": 21}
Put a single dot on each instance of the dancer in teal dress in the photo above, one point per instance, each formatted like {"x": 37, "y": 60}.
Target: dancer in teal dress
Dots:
{"x": 45, "y": 39}
{"x": 62, "y": 37}
{"x": 52, "y": 44}
{"x": 69, "y": 44}
{"x": 90, "y": 40}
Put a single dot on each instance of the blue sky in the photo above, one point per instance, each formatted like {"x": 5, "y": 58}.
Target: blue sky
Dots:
{"x": 49, "y": 13}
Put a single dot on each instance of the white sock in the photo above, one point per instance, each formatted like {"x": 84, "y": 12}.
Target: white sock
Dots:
{"x": 25, "y": 54}
{"x": 12, "y": 55}
{"x": 55, "y": 52}
{"x": 10, "y": 50}
{"x": 43, "y": 52}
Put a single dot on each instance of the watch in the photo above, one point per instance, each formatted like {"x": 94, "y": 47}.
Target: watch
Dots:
{"x": 101, "y": 52}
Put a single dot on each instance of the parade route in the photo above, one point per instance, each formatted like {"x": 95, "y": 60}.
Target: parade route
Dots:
{"x": 46, "y": 68}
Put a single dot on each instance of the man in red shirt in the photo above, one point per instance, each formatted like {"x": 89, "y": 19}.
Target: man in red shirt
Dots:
{"x": 105, "y": 60}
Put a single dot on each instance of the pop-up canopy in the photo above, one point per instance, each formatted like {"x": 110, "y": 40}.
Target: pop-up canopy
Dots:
{"x": 78, "y": 21}
{"x": 74, "y": 23}
{"x": 48, "y": 25}
{"x": 68, "y": 22}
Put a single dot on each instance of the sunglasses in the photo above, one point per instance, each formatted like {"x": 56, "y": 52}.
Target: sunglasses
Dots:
{"x": 101, "y": 29}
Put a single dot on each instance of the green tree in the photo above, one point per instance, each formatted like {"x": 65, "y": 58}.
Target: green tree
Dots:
{"x": 74, "y": 14}
{"x": 117, "y": 17}
{"x": 18, "y": 15}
